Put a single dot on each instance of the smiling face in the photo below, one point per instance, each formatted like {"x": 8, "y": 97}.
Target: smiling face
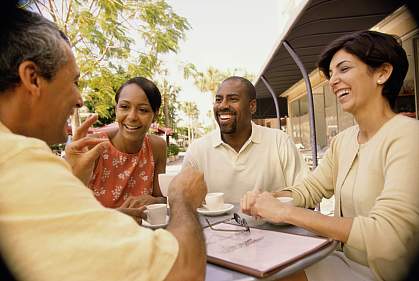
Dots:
{"x": 232, "y": 108}
{"x": 133, "y": 113}
{"x": 353, "y": 82}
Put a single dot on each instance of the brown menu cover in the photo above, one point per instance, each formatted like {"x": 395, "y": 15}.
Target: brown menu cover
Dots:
{"x": 259, "y": 253}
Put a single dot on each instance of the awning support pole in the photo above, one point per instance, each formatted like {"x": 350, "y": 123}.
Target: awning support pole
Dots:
{"x": 303, "y": 71}
{"x": 271, "y": 91}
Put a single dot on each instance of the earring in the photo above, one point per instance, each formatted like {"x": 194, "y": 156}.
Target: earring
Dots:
{"x": 379, "y": 82}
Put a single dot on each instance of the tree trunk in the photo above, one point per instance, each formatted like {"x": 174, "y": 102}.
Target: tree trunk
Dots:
{"x": 166, "y": 110}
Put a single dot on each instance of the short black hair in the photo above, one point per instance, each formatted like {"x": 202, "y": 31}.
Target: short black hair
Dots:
{"x": 149, "y": 88}
{"x": 250, "y": 89}
{"x": 374, "y": 49}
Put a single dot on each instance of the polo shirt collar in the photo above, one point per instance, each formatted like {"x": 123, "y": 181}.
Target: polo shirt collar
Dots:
{"x": 255, "y": 137}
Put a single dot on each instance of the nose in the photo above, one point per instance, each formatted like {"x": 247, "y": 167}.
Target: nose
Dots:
{"x": 224, "y": 104}
{"x": 79, "y": 102}
{"x": 132, "y": 114}
{"x": 333, "y": 80}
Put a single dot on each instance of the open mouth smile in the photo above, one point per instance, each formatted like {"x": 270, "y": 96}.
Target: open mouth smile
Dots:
{"x": 131, "y": 128}
{"x": 341, "y": 93}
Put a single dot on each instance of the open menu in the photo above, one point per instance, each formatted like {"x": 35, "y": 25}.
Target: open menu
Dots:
{"x": 259, "y": 253}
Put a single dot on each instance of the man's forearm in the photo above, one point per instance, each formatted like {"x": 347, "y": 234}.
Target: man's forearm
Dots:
{"x": 184, "y": 225}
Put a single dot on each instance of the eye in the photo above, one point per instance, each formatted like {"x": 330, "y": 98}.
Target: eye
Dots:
{"x": 143, "y": 109}
{"x": 218, "y": 99}
{"x": 344, "y": 68}
{"x": 77, "y": 83}
{"x": 123, "y": 106}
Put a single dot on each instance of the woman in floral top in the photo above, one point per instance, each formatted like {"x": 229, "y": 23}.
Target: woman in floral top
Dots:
{"x": 126, "y": 172}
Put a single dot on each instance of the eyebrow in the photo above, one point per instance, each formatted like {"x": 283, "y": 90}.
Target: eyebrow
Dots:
{"x": 343, "y": 61}
{"x": 337, "y": 65}
{"x": 228, "y": 95}
{"x": 127, "y": 101}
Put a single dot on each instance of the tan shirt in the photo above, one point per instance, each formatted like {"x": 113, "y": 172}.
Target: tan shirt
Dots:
{"x": 268, "y": 161}
{"x": 377, "y": 184}
{"x": 52, "y": 227}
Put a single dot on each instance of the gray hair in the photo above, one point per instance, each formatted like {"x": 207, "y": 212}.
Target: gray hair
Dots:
{"x": 29, "y": 37}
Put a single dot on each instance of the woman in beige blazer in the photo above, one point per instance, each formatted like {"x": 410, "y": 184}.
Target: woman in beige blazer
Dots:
{"x": 372, "y": 169}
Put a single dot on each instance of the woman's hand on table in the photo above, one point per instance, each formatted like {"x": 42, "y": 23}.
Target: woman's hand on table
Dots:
{"x": 248, "y": 201}
{"x": 270, "y": 208}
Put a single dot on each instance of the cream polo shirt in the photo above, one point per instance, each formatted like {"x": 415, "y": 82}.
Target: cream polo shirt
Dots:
{"x": 53, "y": 228}
{"x": 268, "y": 161}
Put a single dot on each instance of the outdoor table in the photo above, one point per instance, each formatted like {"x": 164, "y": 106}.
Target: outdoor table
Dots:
{"x": 218, "y": 273}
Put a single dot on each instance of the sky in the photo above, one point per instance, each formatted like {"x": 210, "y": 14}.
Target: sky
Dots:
{"x": 227, "y": 34}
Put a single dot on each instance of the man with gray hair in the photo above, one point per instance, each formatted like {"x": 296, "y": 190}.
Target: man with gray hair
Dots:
{"x": 51, "y": 226}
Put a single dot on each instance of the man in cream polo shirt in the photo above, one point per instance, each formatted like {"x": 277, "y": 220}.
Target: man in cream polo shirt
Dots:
{"x": 241, "y": 156}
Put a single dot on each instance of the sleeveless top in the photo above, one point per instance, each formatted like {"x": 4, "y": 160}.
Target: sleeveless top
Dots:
{"x": 118, "y": 175}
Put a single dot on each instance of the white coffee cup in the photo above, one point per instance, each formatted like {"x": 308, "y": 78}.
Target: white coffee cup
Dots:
{"x": 164, "y": 182}
{"x": 156, "y": 213}
{"x": 286, "y": 200}
{"x": 214, "y": 201}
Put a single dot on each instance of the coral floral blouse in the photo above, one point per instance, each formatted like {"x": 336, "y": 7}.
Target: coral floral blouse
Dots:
{"x": 118, "y": 175}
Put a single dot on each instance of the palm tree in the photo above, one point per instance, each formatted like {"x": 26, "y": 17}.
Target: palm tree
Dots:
{"x": 209, "y": 81}
{"x": 192, "y": 112}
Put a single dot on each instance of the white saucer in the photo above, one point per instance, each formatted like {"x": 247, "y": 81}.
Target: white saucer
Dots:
{"x": 207, "y": 212}
{"x": 154, "y": 226}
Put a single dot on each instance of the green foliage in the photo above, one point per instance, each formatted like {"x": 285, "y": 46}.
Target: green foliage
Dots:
{"x": 114, "y": 40}
{"x": 209, "y": 80}
{"x": 173, "y": 150}
{"x": 192, "y": 112}
{"x": 57, "y": 148}
{"x": 170, "y": 105}
{"x": 190, "y": 109}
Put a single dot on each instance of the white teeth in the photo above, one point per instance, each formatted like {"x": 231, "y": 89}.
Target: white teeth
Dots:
{"x": 342, "y": 92}
{"x": 225, "y": 116}
{"x": 130, "y": 127}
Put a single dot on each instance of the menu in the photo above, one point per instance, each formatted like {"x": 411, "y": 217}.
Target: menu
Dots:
{"x": 258, "y": 252}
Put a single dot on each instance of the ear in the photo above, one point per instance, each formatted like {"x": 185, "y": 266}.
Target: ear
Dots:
{"x": 252, "y": 105}
{"x": 29, "y": 77}
{"x": 383, "y": 73}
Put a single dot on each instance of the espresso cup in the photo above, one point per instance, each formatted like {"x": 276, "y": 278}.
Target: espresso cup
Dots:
{"x": 156, "y": 213}
{"x": 214, "y": 201}
{"x": 164, "y": 182}
{"x": 286, "y": 200}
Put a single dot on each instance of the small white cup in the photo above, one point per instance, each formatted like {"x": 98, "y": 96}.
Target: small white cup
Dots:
{"x": 156, "y": 213}
{"x": 214, "y": 201}
{"x": 286, "y": 200}
{"x": 164, "y": 182}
